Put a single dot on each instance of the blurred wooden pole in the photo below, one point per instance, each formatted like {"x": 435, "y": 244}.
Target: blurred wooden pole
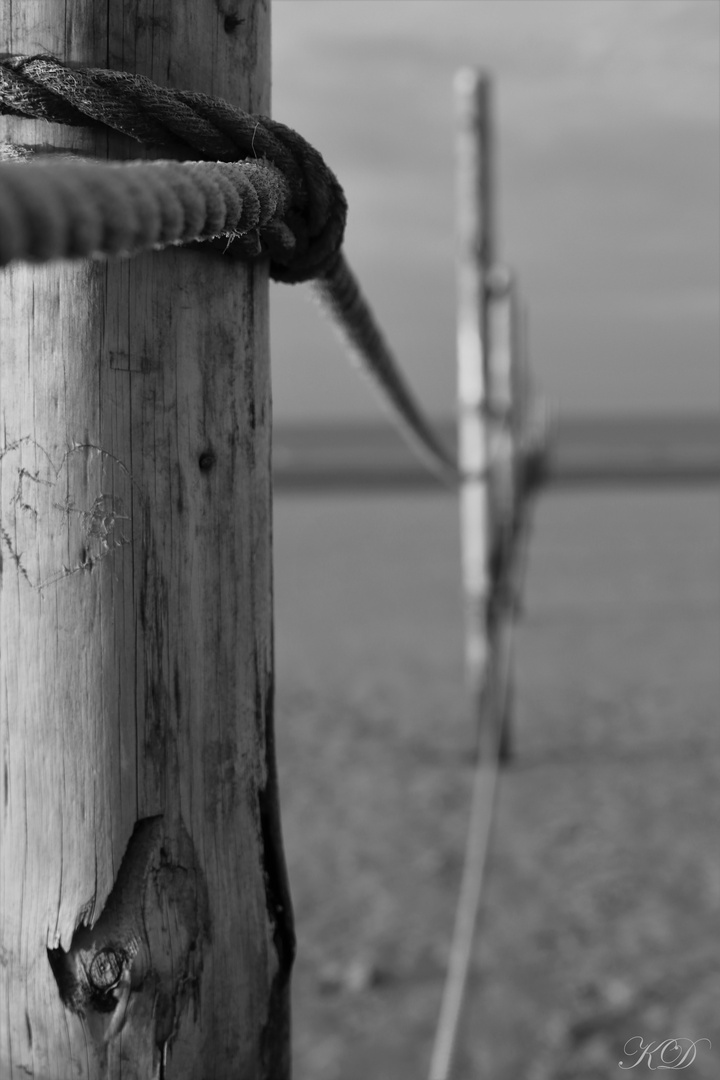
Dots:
{"x": 493, "y": 412}
{"x": 146, "y": 928}
{"x": 501, "y": 406}
{"x": 475, "y": 253}
{"x": 504, "y": 494}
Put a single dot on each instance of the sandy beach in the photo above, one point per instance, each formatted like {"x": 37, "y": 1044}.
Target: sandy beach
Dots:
{"x": 599, "y": 922}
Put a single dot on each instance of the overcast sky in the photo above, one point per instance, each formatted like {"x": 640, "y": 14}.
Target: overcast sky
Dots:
{"x": 608, "y": 148}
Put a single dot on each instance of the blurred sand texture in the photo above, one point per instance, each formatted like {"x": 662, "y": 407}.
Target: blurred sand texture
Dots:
{"x": 600, "y": 917}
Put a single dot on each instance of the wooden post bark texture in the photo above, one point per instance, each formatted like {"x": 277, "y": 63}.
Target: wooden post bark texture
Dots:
{"x": 146, "y": 924}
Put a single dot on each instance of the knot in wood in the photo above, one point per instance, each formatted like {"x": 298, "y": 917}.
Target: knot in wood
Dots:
{"x": 106, "y": 969}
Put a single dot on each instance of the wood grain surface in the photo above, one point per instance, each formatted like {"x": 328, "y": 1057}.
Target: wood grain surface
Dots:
{"x": 146, "y": 926}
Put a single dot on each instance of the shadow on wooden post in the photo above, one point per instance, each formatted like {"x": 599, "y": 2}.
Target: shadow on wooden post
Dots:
{"x": 146, "y": 922}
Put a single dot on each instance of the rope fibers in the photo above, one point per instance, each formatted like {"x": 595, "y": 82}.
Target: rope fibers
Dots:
{"x": 284, "y": 202}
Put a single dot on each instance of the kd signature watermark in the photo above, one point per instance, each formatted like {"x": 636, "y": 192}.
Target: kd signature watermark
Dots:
{"x": 666, "y": 1054}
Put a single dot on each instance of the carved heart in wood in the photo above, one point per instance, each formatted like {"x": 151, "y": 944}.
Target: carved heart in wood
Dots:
{"x": 65, "y": 518}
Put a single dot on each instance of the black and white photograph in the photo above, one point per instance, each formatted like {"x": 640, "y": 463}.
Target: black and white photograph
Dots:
{"x": 359, "y": 539}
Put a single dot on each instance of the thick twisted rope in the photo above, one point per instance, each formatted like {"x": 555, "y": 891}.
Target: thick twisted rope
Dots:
{"x": 54, "y": 209}
{"x": 284, "y": 201}
{"x": 197, "y": 126}
{"x": 339, "y": 293}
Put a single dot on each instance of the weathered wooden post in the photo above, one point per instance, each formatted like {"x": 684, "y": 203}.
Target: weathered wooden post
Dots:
{"x": 475, "y": 253}
{"x": 146, "y": 925}
{"x": 496, "y": 445}
{"x": 485, "y": 386}
{"x": 521, "y": 388}
{"x": 501, "y": 411}
{"x": 504, "y": 488}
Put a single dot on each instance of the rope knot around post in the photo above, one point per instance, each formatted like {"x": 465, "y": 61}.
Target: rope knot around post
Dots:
{"x": 254, "y": 187}
{"x": 194, "y": 126}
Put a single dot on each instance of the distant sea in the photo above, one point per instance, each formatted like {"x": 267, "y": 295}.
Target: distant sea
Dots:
{"x": 581, "y": 450}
